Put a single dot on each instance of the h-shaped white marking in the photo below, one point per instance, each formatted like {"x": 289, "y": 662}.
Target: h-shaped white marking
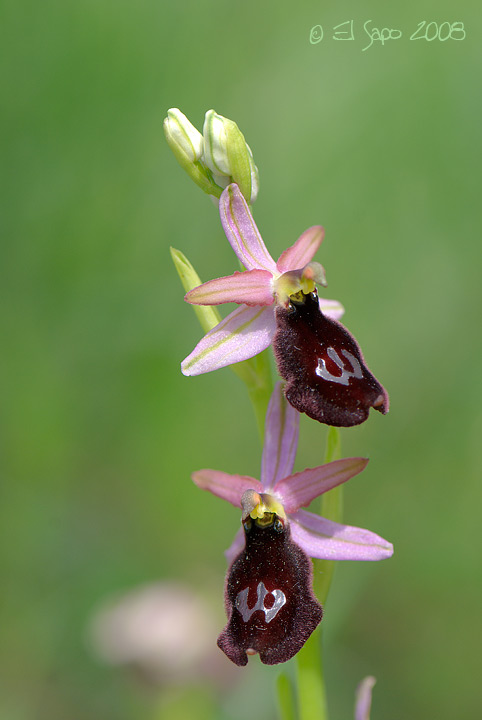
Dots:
{"x": 345, "y": 376}
{"x": 241, "y": 603}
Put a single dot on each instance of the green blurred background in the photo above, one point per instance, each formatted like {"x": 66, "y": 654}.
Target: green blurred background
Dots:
{"x": 99, "y": 429}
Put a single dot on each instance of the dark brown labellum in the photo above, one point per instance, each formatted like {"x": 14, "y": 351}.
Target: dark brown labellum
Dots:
{"x": 269, "y": 599}
{"x": 325, "y": 374}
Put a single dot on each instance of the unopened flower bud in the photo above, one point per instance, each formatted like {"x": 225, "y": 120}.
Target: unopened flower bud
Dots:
{"x": 187, "y": 145}
{"x": 228, "y": 156}
{"x": 254, "y": 177}
{"x": 215, "y": 151}
{"x": 182, "y": 136}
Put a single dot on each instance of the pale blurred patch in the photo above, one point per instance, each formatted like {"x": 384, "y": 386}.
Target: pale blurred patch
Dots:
{"x": 165, "y": 631}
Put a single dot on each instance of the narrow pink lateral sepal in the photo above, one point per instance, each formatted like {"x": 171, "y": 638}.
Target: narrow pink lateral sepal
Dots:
{"x": 252, "y": 287}
{"x": 242, "y": 334}
{"x": 241, "y": 231}
{"x": 328, "y": 540}
{"x": 331, "y": 308}
{"x": 363, "y": 700}
{"x": 300, "y": 489}
{"x": 303, "y": 251}
{"x": 280, "y": 439}
{"x": 226, "y": 486}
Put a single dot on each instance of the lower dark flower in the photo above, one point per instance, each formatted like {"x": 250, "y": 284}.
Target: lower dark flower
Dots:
{"x": 269, "y": 598}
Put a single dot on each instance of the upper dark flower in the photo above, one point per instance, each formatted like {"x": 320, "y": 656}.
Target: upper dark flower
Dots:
{"x": 321, "y": 362}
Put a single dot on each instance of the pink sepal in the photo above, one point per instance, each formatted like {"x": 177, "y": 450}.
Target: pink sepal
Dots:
{"x": 300, "y": 489}
{"x": 321, "y": 538}
{"x": 252, "y": 287}
{"x": 242, "y": 334}
{"x": 303, "y": 250}
{"x": 363, "y": 700}
{"x": 331, "y": 308}
{"x": 226, "y": 486}
{"x": 241, "y": 231}
{"x": 280, "y": 439}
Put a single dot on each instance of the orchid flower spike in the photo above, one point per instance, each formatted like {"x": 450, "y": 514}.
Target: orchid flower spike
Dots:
{"x": 324, "y": 368}
{"x": 269, "y": 599}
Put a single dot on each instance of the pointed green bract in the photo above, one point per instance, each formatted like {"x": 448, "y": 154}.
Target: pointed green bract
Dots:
{"x": 208, "y": 316}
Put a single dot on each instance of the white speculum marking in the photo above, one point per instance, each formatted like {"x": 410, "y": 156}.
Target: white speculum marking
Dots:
{"x": 241, "y": 603}
{"x": 345, "y": 376}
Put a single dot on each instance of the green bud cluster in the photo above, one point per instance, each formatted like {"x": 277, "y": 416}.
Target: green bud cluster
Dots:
{"x": 217, "y": 157}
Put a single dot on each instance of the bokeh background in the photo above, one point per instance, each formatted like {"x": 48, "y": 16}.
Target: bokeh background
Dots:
{"x": 99, "y": 429}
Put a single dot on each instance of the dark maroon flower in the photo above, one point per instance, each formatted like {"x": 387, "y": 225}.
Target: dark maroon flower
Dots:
{"x": 269, "y": 598}
{"x": 325, "y": 374}
{"x": 322, "y": 363}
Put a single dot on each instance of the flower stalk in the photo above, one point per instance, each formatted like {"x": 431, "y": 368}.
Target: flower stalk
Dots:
{"x": 311, "y": 684}
{"x": 310, "y": 680}
{"x": 331, "y": 508}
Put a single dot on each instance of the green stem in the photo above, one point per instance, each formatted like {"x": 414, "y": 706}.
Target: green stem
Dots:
{"x": 256, "y": 374}
{"x": 333, "y": 446}
{"x": 310, "y": 680}
{"x": 331, "y": 509}
{"x": 286, "y": 705}
{"x": 311, "y": 684}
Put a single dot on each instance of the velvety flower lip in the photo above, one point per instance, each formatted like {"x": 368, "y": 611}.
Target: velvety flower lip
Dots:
{"x": 250, "y": 328}
{"x": 317, "y": 536}
{"x": 269, "y": 599}
{"x": 323, "y": 365}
